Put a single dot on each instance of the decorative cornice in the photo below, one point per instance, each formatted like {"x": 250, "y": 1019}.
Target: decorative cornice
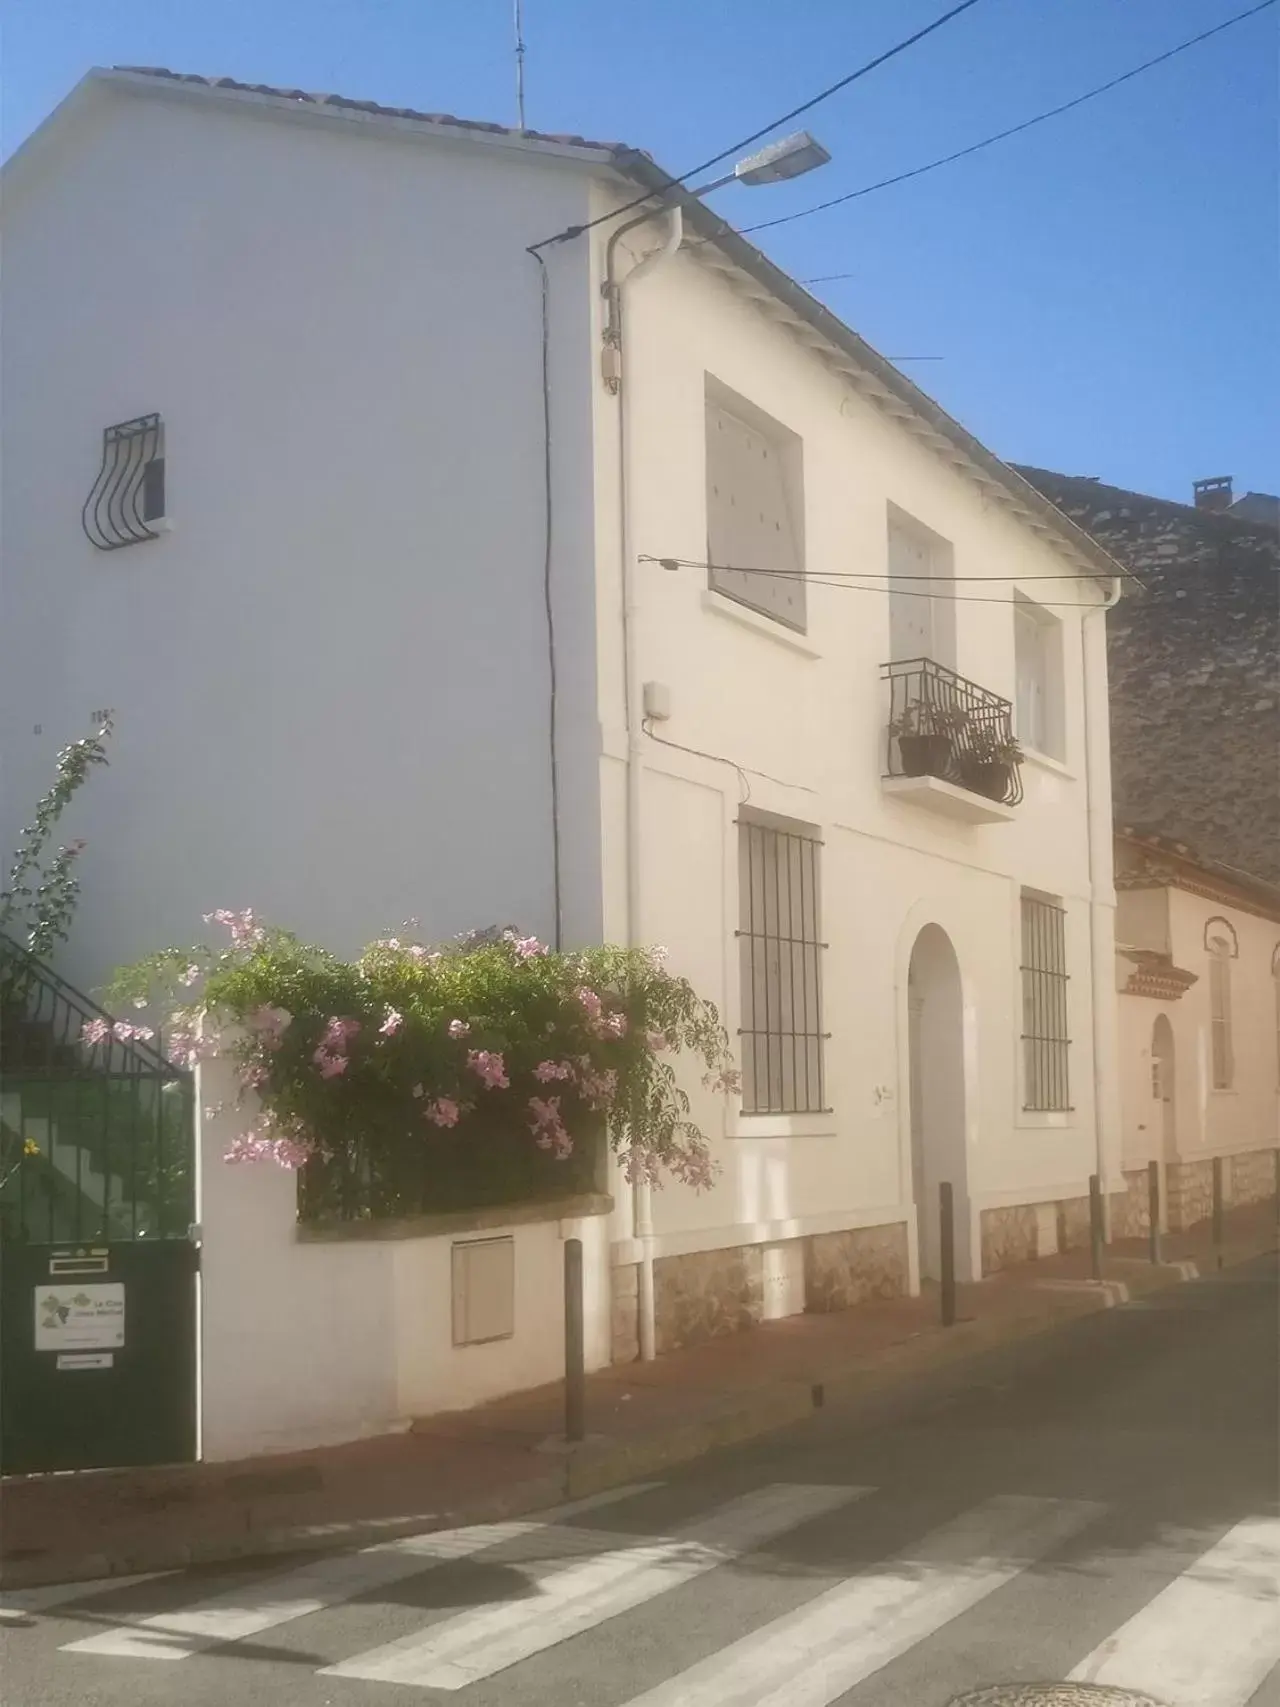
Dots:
{"x": 1154, "y": 975}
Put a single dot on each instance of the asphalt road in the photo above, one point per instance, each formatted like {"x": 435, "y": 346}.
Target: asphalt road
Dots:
{"x": 1099, "y": 1505}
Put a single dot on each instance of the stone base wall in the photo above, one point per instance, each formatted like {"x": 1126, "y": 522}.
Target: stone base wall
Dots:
{"x": 1252, "y": 1177}
{"x": 1073, "y": 1223}
{"x": 1131, "y": 1208}
{"x": 705, "y": 1294}
{"x": 843, "y": 1269}
{"x": 708, "y": 1293}
{"x": 1009, "y": 1235}
{"x": 626, "y": 1313}
{"x": 1189, "y": 1194}
{"x": 1021, "y": 1232}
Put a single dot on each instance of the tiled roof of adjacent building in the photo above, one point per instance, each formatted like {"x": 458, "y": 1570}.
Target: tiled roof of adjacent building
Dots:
{"x": 1194, "y": 660}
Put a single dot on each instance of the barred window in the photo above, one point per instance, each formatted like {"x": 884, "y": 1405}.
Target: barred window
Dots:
{"x": 781, "y": 968}
{"x": 1046, "y": 1043}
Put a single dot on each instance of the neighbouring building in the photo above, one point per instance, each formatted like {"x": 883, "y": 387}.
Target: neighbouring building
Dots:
{"x": 1198, "y": 973}
{"x": 1194, "y": 663}
{"x": 359, "y": 519}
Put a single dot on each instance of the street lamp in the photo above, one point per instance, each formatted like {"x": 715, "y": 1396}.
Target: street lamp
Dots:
{"x": 790, "y": 157}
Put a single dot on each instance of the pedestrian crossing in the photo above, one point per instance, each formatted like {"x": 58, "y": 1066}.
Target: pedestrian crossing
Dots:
{"x": 1208, "y": 1634}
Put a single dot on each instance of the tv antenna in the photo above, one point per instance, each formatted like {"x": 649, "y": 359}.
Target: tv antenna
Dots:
{"x": 518, "y": 20}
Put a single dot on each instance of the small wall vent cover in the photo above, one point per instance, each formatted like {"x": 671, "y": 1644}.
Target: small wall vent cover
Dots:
{"x": 484, "y": 1290}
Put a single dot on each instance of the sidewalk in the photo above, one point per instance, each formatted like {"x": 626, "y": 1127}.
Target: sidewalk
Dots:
{"x": 505, "y": 1458}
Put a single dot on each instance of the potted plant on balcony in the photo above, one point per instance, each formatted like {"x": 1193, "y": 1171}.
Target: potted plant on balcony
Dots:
{"x": 988, "y": 760}
{"x": 924, "y": 735}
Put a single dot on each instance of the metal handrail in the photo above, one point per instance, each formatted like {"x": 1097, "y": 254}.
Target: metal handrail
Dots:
{"x": 59, "y": 1012}
{"x": 956, "y": 730}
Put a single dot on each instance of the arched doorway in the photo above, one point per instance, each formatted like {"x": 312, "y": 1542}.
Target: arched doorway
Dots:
{"x": 1163, "y": 1086}
{"x": 935, "y": 1006}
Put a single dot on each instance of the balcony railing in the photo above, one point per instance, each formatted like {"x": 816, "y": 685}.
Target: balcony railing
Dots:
{"x": 941, "y": 725}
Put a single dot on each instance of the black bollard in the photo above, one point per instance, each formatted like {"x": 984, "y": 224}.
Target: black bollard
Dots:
{"x": 1217, "y": 1209}
{"x": 575, "y": 1367}
{"x": 1095, "y": 1226}
{"x": 1153, "y": 1208}
{"x": 947, "y": 1252}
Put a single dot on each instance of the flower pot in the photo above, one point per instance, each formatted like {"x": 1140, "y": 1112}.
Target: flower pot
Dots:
{"x": 988, "y": 777}
{"x": 924, "y": 755}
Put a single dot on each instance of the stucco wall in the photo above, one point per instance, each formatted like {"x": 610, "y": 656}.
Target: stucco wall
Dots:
{"x": 304, "y": 1344}
{"x": 795, "y": 726}
{"x": 330, "y": 678}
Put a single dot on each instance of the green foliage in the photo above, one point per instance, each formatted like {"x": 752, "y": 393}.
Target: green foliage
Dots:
{"x": 42, "y": 893}
{"x": 488, "y": 1061}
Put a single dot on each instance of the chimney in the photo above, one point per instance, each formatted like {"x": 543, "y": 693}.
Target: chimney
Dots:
{"x": 1213, "y": 494}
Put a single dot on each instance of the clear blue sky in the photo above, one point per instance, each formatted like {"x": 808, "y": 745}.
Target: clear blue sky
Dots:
{"x": 1103, "y": 289}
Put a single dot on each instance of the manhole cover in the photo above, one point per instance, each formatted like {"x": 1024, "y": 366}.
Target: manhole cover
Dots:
{"x": 1053, "y": 1695}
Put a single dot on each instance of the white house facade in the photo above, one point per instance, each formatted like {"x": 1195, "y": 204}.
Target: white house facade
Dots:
{"x": 393, "y": 447}
{"x": 1198, "y": 964}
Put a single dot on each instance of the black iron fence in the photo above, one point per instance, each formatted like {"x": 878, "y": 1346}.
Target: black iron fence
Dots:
{"x": 943, "y": 726}
{"x": 96, "y": 1126}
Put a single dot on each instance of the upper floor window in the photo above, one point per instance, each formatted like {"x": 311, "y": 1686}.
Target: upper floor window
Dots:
{"x": 1038, "y": 707}
{"x": 780, "y": 954}
{"x": 921, "y": 593}
{"x": 1046, "y": 1036}
{"x": 1220, "y": 943}
{"x": 755, "y": 531}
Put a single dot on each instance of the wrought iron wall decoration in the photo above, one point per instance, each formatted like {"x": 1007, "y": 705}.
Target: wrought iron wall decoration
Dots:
{"x": 127, "y": 498}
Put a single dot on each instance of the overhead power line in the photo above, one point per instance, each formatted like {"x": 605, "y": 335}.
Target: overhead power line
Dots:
{"x": 1013, "y": 130}
{"x": 572, "y": 231}
{"x": 856, "y": 582}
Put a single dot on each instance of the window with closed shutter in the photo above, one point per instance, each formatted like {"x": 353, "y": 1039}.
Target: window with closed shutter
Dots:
{"x": 754, "y": 537}
{"x": 1038, "y": 701}
{"x": 1220, "y": 1013}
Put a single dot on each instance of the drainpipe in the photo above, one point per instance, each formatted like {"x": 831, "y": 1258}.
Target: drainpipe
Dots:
{"x": 613, "y": 291}
{"x": 1101, "y": 855}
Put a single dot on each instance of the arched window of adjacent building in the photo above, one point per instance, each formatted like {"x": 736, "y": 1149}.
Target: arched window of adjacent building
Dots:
{"x": 1220, "y": 944}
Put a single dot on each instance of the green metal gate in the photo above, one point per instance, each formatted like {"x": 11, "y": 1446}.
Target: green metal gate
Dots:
{"x": 97, "y": 1264}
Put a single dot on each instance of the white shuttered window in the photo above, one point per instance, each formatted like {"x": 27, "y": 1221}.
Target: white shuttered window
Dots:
{"x": 753, "y": 515}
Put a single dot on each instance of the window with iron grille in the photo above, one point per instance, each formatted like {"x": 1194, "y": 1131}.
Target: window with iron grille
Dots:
{"x": 780, "y": 946}
{"x": 1046, "y": 1042}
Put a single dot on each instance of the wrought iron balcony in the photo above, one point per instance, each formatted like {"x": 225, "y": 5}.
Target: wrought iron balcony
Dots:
{"x": 945, "y": 728}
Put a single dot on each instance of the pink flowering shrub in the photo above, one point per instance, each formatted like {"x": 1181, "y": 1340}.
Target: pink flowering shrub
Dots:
{"x": 490, "y": 1061}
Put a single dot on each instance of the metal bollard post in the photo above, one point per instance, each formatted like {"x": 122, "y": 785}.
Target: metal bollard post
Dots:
{"x": 1276, "y": 1155}
{"x": 1153, "y": 1208}
{"x": 1095, "y": 1226}
{"x": 1217, "y": 1209}
{"x": 575, "y": 1367}
{"x": 947, "y": 1252}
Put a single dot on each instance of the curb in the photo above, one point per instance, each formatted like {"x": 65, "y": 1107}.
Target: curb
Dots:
{"x": 864, "y": 1386}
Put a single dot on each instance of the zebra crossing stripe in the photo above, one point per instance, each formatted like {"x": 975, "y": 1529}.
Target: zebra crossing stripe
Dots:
{"x": 1211, "y": 1636}
{"x": 490, "y": 1639}
{"x": 812, "y": 1656}
{"x": 279, "y": 1599}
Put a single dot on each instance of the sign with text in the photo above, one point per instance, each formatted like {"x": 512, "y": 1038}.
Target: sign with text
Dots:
{"x": 74, "y": 1318}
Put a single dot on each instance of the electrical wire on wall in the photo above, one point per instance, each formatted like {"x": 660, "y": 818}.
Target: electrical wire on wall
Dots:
{"x": 852, "y": 581}
{"x": 548, "y": 600}
{"x": 744, "y": 771}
